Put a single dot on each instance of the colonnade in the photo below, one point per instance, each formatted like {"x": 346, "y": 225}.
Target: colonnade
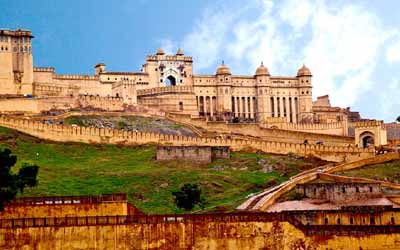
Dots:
{"x": 247, "y": 107}
{"x": 207, "y": 105}
{"x": 244, "y": 106}
{"x": 284, "y": 107}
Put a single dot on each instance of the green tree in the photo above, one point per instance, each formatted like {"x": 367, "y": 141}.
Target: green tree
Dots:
{"x": 13, "y": 183}
{"x": 188, "y": 197}
{"x": 398, "y": 118}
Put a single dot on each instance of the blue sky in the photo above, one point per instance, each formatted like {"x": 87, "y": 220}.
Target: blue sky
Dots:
{"x": 351, "y": 47}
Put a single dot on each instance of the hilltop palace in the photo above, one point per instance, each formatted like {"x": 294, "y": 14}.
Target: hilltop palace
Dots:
{"x": 167, "y": 82}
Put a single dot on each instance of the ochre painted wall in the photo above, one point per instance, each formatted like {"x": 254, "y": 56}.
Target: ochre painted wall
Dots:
{"x": 188, "y": 235}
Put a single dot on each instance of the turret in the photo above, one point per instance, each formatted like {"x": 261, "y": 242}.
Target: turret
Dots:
{"x": 305, "y": 94}
{"x": 100, "y": 68}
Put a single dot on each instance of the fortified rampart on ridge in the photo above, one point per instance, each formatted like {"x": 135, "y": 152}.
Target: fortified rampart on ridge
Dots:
{"x": 112, "y": 136}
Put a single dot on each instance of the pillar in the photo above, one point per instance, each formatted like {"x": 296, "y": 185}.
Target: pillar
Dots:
{"x": 252, "y": 108}
{"x": 246, "y": 107}
{"x": 240, "y": 106}
{"x": 294, "y": 114}
{"x": 205, "y": 106}
{"x": 275, "y": 99}
{"x": 211, "y": 107}
{"x": 287, "y": 104}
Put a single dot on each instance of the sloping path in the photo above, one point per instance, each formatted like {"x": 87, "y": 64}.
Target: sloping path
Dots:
{"x": 263, "y": 200}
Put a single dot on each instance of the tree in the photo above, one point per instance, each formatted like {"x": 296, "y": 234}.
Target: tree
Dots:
{"x": 188, "y": 197}
{"x": 398, "y": 118}
{"x": 12, "y": 183}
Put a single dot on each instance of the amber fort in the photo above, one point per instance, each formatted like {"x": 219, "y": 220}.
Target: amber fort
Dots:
{"x": 258, "y": 112}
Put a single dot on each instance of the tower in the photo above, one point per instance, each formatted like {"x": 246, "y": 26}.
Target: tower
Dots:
{"x": 223, "y": 102}
{"x": 305, "y": 95}
{"x": 262, "y": 92}
{"x": 16, "y": 63}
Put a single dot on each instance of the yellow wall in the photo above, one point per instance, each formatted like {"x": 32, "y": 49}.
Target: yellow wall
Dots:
{"x": 188, "y": 235}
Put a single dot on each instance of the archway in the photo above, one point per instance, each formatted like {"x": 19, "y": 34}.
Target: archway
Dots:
{"x": 171, "y": 81}
{"x": 367, "y": 139}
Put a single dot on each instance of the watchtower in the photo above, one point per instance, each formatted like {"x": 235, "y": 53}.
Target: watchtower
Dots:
{"x": 16, "y": 66}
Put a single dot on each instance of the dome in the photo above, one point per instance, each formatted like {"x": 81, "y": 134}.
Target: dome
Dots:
{"x": 262, "y": 70}
{"x": 223, "y": 70}
{"x": 304, "y": 71}
{"x": 160, "y": 51}
{"x": 179, "y": 52}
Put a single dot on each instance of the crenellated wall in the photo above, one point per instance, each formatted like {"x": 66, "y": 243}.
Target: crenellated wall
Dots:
{"x": 257, "y": 131}
{"x": 65, "y": 133}
{"x": 336, "y": 128}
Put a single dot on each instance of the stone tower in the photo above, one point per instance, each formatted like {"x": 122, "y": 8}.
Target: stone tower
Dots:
{"x": 16, "y": 66}
{"x": 262, "y": 92}
{"x": 305, "y": 95}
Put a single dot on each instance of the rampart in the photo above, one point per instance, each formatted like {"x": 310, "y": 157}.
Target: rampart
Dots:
{"x": 165, "y": 90}
{"x": 254, "y": 130}
{"x": 69, "y": 206}
{"x": 242, "y": 231}
{"x": 101, "y": 103}
{"x": 65, "y": 133}
{"x": 337, "y": 128}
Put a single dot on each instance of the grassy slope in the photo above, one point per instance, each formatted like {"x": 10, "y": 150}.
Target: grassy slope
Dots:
{"x": 387, "y": 171}
{"x": 82, "y": 169}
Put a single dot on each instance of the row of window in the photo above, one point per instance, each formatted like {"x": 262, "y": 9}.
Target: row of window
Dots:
{"x": 371, "y": 220}
{"x": 15, "y": 39}
{"x": 21, "y": 49}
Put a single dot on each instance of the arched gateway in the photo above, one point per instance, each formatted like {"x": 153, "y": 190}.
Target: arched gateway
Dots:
{"x": 370, "y": 134}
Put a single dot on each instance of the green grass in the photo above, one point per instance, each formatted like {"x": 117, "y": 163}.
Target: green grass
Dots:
{"x": 389, "y": 171}
{"x": 84, "y": 169}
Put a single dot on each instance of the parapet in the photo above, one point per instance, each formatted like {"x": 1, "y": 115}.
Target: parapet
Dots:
{"x": 364, "y": 124}
{"x": 44, "y": 69}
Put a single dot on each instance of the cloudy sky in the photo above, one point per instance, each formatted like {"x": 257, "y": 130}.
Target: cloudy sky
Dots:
{"x": 351, "y": 47}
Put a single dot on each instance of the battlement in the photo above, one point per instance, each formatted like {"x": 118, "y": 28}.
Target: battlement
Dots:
{"x": 56, "y": 200}
{"x": 100, "y": 98}
{"x": 44, "y": 69}
{"x": 65, "y": 133}
{"x": 77, "y": 77}
{"x": 364, "y": 124}
{"x": 164, "y": 90}
{"x": 169, "y": 58}
{"x": 16, "y": 33}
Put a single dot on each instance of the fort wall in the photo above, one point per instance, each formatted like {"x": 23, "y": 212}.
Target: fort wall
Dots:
{"x": 253, "y": 129}
{"x": 65, "y": 133}
{"x": 231, "y": 231}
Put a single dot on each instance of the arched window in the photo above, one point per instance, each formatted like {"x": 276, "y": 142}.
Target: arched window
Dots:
{"x": 170, "y": 81}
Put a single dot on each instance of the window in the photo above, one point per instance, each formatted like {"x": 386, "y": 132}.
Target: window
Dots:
{"x": 351, "y": 221}
{"x": 155, "y": 69}
{"x": 326, "y": 220}
{"x": 392, "y": 220}
{"x": 343, "y": 190}
{"x": 338, "y": 220}
{"x": 370, "y": 189}
{"x": 372, "y": 220}
{"x": 357, "y": 190}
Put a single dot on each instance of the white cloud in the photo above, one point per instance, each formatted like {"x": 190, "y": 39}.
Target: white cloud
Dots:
{"x": 393, "y": 53}
{"x": 340, "y": 43}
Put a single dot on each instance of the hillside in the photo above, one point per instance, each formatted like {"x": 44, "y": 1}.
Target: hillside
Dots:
{"x": 84, "y": 169}
{"x": 384, "y": 172}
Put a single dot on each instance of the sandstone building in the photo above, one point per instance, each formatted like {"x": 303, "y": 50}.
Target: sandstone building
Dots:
{"x": 168, "y": 81}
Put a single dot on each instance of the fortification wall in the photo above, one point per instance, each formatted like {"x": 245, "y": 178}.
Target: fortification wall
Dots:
{"x": 65, "y": 133}
{"x": 266, "y": 133}
{"x": 68, "y": 206}
{"x": 337, "y": 128}
{"x": 36, "y": 105}
{"x": 244, "y": 232}
{"x": 102, "y": 103}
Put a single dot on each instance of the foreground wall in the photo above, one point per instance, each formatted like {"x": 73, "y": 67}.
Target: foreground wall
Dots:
{"x": 207, "y": 235}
